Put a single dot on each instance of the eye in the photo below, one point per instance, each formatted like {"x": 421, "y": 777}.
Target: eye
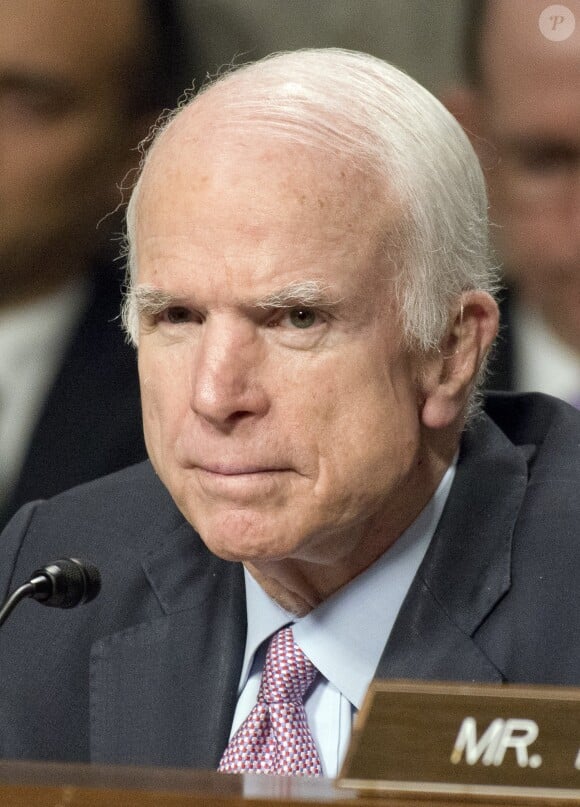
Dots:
{"x": 302, "y": 317}
{"x": 549, "y": 158}
{"x": 35, "y": 104}
{"x": 177, "y": 314}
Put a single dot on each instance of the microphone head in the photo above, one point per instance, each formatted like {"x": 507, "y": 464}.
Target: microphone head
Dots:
{"x": 66, "y": 583}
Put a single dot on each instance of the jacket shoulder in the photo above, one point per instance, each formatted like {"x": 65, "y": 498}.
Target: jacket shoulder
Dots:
{"x": 119, "y": 518}
{"x": 533, "y": 632}
{"x": 535, "y": 419}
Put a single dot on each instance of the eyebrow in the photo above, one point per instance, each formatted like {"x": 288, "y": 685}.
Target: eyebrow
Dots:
{"x": 308, "y": 293}
{"x": 151, "y": 301}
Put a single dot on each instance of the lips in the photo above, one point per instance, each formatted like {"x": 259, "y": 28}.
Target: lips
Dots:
{"x": 241, "y": 484}
{"x": 239, "y": 470}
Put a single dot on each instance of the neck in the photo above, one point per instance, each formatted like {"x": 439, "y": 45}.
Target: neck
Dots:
{"x": 299, "y": 585}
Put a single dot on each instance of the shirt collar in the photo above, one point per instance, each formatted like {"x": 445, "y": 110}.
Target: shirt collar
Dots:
{"x": 345, "y": 636}
{"x": 36, "y": 329}
{"x": 545, "y": 363}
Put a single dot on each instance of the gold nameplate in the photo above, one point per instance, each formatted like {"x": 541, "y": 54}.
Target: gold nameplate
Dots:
{"x": 466, "y": 739}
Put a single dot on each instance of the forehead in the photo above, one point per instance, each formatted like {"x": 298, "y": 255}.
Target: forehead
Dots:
{"x": 261, "y": 193}
{"x": 225, "y": 221}
{"x": 227, "y": 224}
{"x": 81, "y": 42}
{"x": 527, "y": 76}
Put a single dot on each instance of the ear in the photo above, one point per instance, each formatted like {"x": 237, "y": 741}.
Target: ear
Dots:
{"x": 452, "y": 372}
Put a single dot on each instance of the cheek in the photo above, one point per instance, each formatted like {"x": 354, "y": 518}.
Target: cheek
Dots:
{"x": 69, "y": 177}
{"x": 163, "y": 400}
{"x": 365, "y": 427}
{"x": 536, "y": 247}
{"x": 530, "y": 238}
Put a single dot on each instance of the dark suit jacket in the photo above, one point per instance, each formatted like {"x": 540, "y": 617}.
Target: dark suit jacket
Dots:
{"x": 148, "y": 672}
{"x": 91, "y": 421}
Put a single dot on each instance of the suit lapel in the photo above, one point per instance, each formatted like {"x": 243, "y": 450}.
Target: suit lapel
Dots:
{"x": 163, "y": 692}
{"x": 466, "y": 570}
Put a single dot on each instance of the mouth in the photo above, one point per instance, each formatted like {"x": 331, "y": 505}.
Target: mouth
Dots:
{"x": 239, "y": 470}
{"x": 241, "y": 484}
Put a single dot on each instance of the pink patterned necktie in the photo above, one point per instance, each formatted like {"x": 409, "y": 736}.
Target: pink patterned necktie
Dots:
{"x": 275, "y": 737}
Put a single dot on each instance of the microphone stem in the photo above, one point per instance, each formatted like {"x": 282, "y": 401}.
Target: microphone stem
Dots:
{"x": 24, "y": 591}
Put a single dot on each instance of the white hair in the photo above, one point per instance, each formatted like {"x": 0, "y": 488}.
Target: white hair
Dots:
{"x": 355, "y": 106}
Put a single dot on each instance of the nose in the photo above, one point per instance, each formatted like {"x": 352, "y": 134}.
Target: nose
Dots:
{"x": 225, "y": 373}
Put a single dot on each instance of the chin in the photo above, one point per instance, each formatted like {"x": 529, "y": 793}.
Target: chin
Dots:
{"x": 244, "y": 537}
{"x": 244, "y": 551}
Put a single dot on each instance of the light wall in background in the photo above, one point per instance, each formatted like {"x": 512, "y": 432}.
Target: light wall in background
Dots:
{"x": 421, "y": 36}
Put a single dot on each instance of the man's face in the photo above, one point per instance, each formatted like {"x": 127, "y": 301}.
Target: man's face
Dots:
{"x": 65, "y": 136}
{"x": 530, "y": 113}
{"x": 279, "y": 431}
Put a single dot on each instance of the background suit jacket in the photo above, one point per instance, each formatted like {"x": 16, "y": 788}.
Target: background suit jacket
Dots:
{"x": 90, "y": 424}
{"x": 148, "y": 672}
{"x": 503, "y": 362}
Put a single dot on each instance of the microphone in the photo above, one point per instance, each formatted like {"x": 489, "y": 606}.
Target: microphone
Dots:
{"x": 65, "y": 583}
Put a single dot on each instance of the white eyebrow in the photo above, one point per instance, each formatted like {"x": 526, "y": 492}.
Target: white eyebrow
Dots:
{"x": 150, "y": 301}
{"x": 308, "y": 293}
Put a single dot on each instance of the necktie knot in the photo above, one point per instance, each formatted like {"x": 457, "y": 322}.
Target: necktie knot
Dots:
{"x": 275, "y": 737}
{"x": 288, "y": 672}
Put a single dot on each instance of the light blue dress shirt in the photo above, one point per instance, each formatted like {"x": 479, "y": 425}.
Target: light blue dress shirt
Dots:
{"x": 344, "y": 637}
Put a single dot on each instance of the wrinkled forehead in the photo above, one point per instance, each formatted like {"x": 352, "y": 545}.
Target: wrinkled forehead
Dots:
{"x": 206, "y": 160}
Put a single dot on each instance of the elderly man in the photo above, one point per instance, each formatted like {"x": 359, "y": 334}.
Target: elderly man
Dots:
{"x": 311, "y": 295}
{"x": 521, "y": 104}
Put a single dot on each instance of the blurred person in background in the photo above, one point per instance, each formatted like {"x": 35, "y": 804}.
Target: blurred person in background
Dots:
{"x": 521, "y": 106}
{"x": 80, "y": 85}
